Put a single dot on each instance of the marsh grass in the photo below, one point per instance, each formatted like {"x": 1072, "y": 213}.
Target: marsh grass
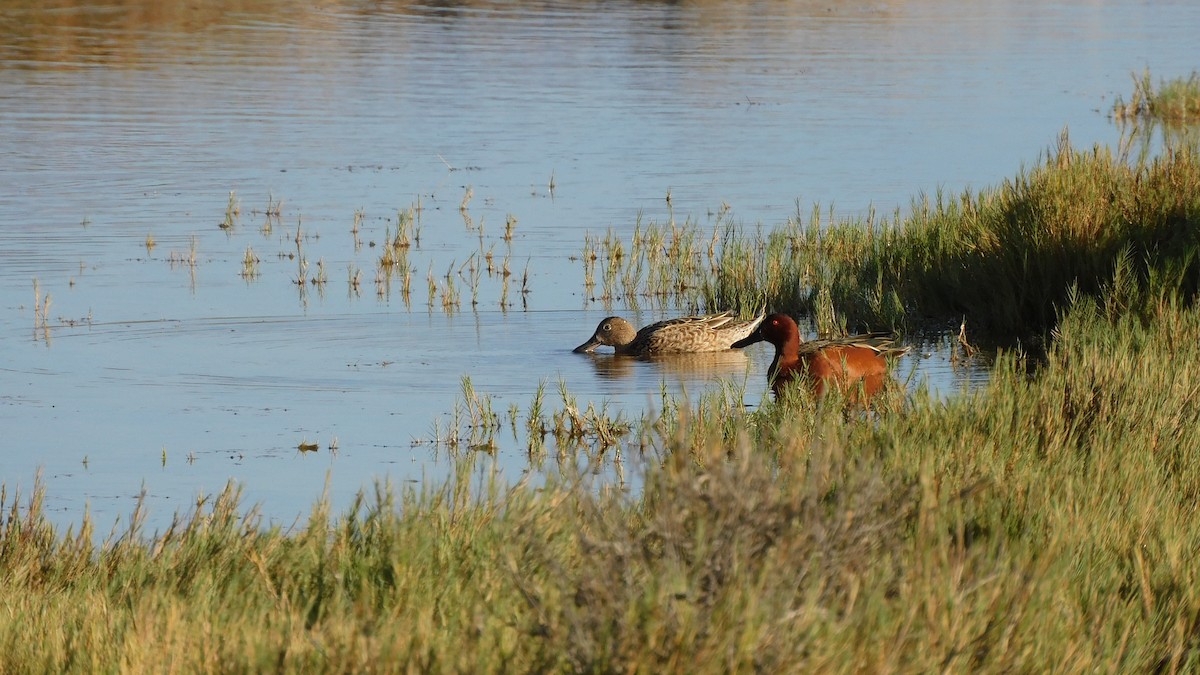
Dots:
{"x": 589, "y": 256}
{"x": 451, "y": 297}
{"x": 322, "y": 276}
{"x": 503, "y": 301}
{"x": 250, "y": 264}
{"x": 274, "y": 206}
{"x": 468, "y": 193}
{"x": 393, "y": 263}
{"x": 1175, "y": 101}
{"x": 483, "y": 422}
{"x": 575, "y": 428}
{"x": 432, "y": 286}
{"x": 188, "y": 258}
{"x": 41, "y": 313}
{"x": 474, "y": 273}
{"x": 301, "y": 279}
{"x": 359, "y": 215}
{"x": 1005, "y": 260}
{"x": 233, "y": 209}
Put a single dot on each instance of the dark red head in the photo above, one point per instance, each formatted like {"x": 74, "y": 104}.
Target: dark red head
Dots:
{"x": 778, "y": 329}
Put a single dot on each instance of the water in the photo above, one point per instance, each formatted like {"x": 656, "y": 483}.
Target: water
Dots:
{"x": 137, "y": 119}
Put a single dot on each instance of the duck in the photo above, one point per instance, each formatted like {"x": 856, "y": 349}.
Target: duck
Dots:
{"x": 683, "y": 335}
{"x": 856, "y": 365}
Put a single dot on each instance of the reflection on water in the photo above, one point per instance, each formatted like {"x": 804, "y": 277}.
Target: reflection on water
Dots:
{"x": 69, "y": 35}
{"x": 1143, "y": 139}
{"x": 707, "y": 366}
{"x": 148, "y": 358}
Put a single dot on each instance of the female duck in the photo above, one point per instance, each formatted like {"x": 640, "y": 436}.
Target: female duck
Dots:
{"x": 709, "y": 333}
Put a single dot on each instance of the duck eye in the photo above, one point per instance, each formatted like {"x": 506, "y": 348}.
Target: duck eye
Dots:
{"x": 606, "y": 327}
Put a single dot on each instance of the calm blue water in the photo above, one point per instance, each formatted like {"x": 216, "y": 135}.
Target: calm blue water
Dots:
{"x": 137, "y": 120}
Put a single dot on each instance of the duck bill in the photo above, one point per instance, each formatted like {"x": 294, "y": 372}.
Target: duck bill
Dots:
{"x": 750, "y": 339}
{"x": 588, "y": 347}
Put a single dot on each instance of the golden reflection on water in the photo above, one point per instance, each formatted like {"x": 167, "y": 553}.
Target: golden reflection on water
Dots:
{"x": 1143, "y": 139}
{"x": 72, "y": 33}
{"x": 75, "y": 33}
{"x": 702, "y": 366}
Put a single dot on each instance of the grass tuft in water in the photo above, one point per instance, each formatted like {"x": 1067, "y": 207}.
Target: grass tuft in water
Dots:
{"x": 41, "y": 313}
{"x": 250, "y": 264}
{"x": 233, "y": 209}
{"x": 274, "y": 206}
{"x": 1175, "y": 101}
{"x": 510, "y": 227}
